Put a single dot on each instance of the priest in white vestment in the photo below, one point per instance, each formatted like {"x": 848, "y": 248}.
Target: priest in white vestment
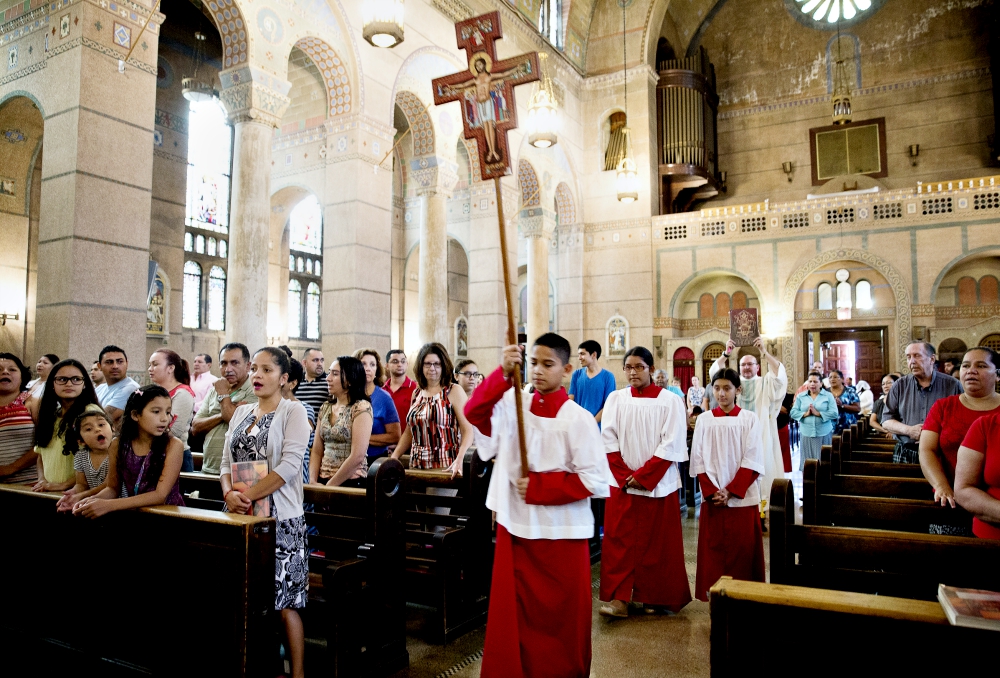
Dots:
{"x": 762, "y": 396}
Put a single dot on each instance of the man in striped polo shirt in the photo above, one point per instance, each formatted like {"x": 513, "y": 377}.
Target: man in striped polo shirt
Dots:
{"x": 313, "y": 389}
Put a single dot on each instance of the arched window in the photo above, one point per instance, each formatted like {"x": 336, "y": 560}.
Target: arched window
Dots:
{"x": 191, "y": 317}
{"x": 844, "y": 295}
{"x": 863, "y": 294}
{"x": 550, "y": 21}
{"x": 188, "y": 242}
{"x": 706, "y": 306}
{"x": 988, "y": 290}
{"x": 312, "y": 311}
{"x": 223, "y": 249}
{"x": 824, "y": 297}
{"x": 739, "y": 300}
{"x": 722, "y": 304}
{"x": 967, "y": 292}
{"x": 294, "y": 309}
{"x": 199, "y": 244}
{"x": 217, "y": 299}
{"x": 305, "y": 243}
{"x": 212, "y": 246}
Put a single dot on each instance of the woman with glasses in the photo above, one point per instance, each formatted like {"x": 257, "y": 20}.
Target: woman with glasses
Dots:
{"x": 645, "y": 436}
{"x": 68, "y": 394}
{"x": 467, "y": 375}
{"x": 437, "y": 433}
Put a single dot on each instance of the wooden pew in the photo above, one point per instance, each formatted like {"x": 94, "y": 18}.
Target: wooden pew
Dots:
{"x": 116, "y": 596}
{"x": 887, "y": 562}
{"x": 825, "y": 633}
{"x": 449, "y": 555}
{"x": 197, "y": 458}
{"x": 357, "y": 593}
{"x": 849, "y": 466}
{"x": 883, "y": 502}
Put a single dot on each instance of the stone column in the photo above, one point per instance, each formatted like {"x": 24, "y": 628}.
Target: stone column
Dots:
{"x": 433, "y": 268}
{"x": 255, "y": 102}
{"x": 94, "y": 204}
{"x": 569, "y": 283}
{"x": 357, "y": 237}
{"x": 538, "y": 286}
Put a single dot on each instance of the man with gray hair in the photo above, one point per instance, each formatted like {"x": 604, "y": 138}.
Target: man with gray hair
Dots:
{"x": 911, "y": 397}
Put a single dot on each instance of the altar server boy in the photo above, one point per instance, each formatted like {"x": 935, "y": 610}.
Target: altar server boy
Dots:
{"x": 645, "y": 436}
{"x": 540, "y": 601}
{"x": 726, "y": 458}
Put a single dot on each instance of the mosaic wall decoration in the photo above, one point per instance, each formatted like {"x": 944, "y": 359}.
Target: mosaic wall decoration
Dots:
{"x": 528, "y": 181}
{"x": 64, "y": 26}
{"x": 233, "y": 30}
{"x": 420, "y": 123}
{"x": 334, "y": 72}
{"x": 269, "y": 24}
{"x": 122, "y": 35}
{"x": 164, "y": 74}
{"x": 565, "y": 207}
{"x": 12, "y": 58}
{"x": 14, "y": 136}
{"x": 6, "y": 186}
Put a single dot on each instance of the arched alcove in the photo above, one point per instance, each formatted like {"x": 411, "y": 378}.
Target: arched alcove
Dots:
{"x": 458, "y": 293}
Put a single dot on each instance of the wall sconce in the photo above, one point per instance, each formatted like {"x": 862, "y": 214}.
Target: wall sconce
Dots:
{"x": 4, "y": 317}
{"x": 914, "y": 152}
{"x": 658, "y": 345}
{"x": 786, "y": 167}
{"x": 722, "y": 182}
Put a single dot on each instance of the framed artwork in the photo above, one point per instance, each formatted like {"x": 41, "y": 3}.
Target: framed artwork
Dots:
{"x": 617, "y": 336}
{"x": 156, "y": 307}
{"x": 462, "y": 337}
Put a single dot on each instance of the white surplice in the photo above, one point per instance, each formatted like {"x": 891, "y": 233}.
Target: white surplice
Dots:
{"x": 722, "y": 445}
{"x": 763, "y": 396}
{"x": 641, "y": 428}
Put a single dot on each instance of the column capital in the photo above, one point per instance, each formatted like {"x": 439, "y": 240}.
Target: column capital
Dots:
{"x": 252, "y": 95}
{"x": 433, "y": 175}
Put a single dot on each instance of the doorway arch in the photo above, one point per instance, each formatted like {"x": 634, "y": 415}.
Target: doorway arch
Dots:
{"x": 684, "y": 367}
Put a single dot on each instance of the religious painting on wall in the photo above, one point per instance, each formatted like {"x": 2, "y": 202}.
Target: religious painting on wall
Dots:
{"x": 156, "y": 308}
{"x": 6, "y": 186}
{"x": 617, "y": 330}
{"x": 462, "y": 337}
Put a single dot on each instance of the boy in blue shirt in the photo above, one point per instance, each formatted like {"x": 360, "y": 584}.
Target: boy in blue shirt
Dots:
{"x": 591, "y": 385}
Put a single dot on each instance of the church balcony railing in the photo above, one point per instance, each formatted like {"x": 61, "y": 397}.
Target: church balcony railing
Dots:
{"x": 956, "y": 200}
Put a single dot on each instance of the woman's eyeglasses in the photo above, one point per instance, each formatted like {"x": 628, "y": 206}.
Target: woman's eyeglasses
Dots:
{"x": 635, "y": 368}
{"x": 62, "y": 381}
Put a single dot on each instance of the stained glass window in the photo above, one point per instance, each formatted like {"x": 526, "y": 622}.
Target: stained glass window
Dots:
{"x": 223, "y": 249}
{"x": 294, "y": 309}
{"x": 199, "y": 244}
{"x": 291, "y": 262}
{"x": 312, "y": 311}
{"x": 309, "y": 266}
{"x": 209, "y": 160}
{"x": 833, "y": 10}
{"x": 306, "y": 226}
{"x": 212, "y": 246}
{"x": 824, "y": 295}
{"x": 863, "y": 294}
{"x": 188, "y": 242}
{"x": 192, "y": 295}
{"x": 550, "y": 21}
{"x": 217, "y": 299}
{"x": 318, "y": 268}
{"x": 300, "y": 264}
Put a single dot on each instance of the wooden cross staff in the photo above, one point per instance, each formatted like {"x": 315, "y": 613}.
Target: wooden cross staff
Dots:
{"x": 486, "y": 93}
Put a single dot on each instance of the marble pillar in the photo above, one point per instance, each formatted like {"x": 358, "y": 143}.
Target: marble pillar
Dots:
{"x": 538, "y": 286}
{"x": 255, "y": 102}
{"x": 95, "y": 197}
{"x": 433, "y": 269}
{"x": 569, "y": 283}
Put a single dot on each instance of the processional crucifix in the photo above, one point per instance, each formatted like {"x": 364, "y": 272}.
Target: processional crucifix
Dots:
{"x": 486, "y": 92}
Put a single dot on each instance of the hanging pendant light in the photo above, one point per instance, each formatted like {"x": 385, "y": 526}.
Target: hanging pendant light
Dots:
{"x": 194, "y": 89}
{"x": 627, "y": 182}
{"x": 841, "y": 90}
{"x": 382, "y": 22}
{"x": 542, "y": 111}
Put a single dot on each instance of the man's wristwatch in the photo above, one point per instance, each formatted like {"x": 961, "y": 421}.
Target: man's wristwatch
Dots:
{"x": 222, "y": 397}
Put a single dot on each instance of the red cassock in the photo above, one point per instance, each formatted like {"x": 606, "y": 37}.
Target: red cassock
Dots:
{"x": 642, "y": 557}
{"x": 541, "y": 598}
{"x": 730, "y": 540}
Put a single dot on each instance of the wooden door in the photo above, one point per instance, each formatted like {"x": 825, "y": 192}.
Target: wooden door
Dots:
{"x": 835, "y": 358}
{"x": 869, "y": 364}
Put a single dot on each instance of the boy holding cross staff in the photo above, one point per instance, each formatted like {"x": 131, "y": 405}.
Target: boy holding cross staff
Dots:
{"x": 540, "y": 601}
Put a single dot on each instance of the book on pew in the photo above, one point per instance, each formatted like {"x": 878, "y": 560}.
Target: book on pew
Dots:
{"x": 246, "y": 474}
{"x": 975, "y": 608}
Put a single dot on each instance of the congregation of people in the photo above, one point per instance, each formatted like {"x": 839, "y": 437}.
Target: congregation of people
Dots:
{"x": 108, "y": 443}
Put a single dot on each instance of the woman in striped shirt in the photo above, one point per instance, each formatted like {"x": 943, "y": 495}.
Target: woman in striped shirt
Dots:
{"x": 436, "y": 427}
{"x": 17, "y": 430}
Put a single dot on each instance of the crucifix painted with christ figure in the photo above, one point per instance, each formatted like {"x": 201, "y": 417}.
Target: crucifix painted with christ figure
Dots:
{"x": 486, "y": 92}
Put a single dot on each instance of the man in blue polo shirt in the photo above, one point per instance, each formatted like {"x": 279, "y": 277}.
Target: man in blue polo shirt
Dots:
{"x": 591, "y": 384}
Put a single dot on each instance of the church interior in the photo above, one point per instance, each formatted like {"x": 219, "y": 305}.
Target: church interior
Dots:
{"x": 186, "y": 173}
